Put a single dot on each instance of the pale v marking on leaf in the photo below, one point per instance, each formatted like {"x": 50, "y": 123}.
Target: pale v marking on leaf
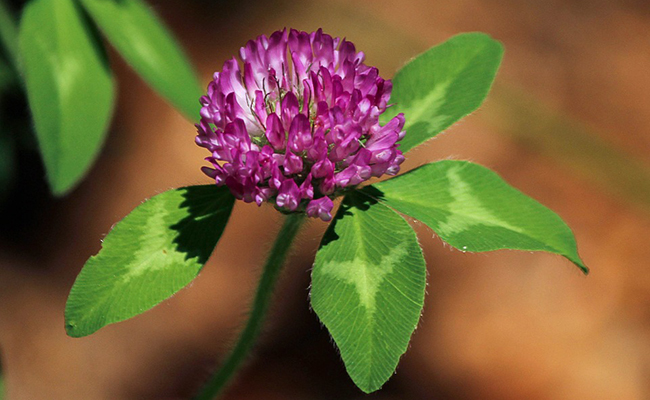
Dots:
{"x": 365, "y": 277}
{"x": 424, "y": 109}
{"x": 466, "y": 210}
{"x": 145, "y": 260}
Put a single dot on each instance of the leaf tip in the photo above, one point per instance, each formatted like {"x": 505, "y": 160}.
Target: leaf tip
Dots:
{"x": 71, "y": 329}
{"x": 370, "y": 387}
{"x": 583, "y": 268}
{"x": 61, "y": 188}
{"x": 577, "y": 261}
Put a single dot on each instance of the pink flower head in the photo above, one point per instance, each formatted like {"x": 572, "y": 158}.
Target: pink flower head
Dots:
{"x": 296, "y": 122}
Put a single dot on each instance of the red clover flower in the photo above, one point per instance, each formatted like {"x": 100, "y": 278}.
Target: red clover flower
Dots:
{"x": 300, "y": 124}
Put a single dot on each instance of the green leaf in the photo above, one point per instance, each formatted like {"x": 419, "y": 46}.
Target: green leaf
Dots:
{"x": 69, "y": 88}
{"x": 368, "y": 287}
{"x": 7, "y": 80}
{"x": 473, "y": 209}
{"x": 151, "y": 254}
{"x": 443, "y": 84}
{"x": 8, "y": 34}
{"x": 146, "y": 44}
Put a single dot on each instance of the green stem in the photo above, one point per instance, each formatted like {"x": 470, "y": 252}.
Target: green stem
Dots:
{"x": 271, "y": 271}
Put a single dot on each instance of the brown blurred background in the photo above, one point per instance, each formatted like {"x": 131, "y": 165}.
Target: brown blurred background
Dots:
{"x": 567, "y": 123}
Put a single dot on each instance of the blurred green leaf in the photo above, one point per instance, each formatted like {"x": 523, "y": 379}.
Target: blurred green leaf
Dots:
{"x": 581, "y": 149}
{"x": 155, "y": 251}
{"x": 443, "y": 84}
{"x": 69, "y": 88}
{"x": 8, "y": 34}
{"x": 145, "y": 43}
{"x": 368, "y": 287}
{"x": 473, "y": 209}
{"x": 7, "y": 79}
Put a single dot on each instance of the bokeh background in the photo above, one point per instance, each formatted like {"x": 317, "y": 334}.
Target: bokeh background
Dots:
{"x": 567, "y": 123}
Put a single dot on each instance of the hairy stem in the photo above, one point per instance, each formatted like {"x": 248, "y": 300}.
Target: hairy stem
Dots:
{"x": 246, "y": 340}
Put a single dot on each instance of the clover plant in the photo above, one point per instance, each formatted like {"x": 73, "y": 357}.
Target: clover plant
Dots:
{"x": 300, "y": 122}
